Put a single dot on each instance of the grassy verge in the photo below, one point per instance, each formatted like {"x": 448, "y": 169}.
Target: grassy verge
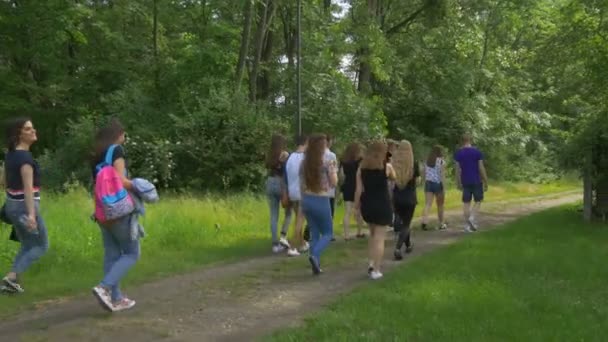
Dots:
{"x": 182, "y": 233}
{"x": 543, "y": 279}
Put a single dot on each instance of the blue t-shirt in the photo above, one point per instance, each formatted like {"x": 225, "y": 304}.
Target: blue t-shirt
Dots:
{"x": 468, "y": 158}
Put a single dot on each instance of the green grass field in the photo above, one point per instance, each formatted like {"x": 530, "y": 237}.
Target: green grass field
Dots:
{"x": 181, "y": 235}
{"x": 543, "y": 278}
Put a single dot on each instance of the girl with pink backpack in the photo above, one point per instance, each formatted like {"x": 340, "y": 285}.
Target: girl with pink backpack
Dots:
{"x": 114, "y": 208}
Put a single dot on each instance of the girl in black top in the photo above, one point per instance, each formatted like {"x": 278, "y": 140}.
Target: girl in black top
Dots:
{"x": 276, "y": 187}
{"x": 349, "y": 166}
{"x": 23, "y": 200}
{"x": 404, "y": 193}
{"x": 373, "y": 199}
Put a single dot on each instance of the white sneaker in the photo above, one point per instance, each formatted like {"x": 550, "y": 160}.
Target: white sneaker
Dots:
{"x": 283, "y": 242}
{"x": 124, "y": 304}
{"x": 473, "y": 225}
{"x": 277, "y": 249}
{"x": 467, "y": 229}
{"x": 443, "y": 226}
{"x": 292, "y": 252}
{"x": 375, "y": 275}
{"x": 103, "y": 297}
{"x": 305, "y": 247}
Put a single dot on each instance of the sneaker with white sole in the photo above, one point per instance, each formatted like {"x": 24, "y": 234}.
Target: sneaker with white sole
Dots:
{"x": 472, "y": 224}
{"x": 123, "y": 304}
{"x": 283, "y": 242}
{"x": 13, "y": 284}
{"x": 443, "y": 226}
{"x": 375, "y": 275}
{"x": 277, "y": 248}
{"x": 292, "y": 252}
{"x": 305, "y": 247}
{"x": 467, "y": 229}
{"x": 103, "y": 297}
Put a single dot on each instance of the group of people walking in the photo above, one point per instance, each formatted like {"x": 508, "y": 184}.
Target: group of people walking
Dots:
{"x": 378, "y": 184}
{"x": 120, "y": 235}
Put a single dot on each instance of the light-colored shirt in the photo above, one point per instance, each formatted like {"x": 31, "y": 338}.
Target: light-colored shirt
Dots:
{"x": 328, "y": 157}
{"x": 292, "y": 169}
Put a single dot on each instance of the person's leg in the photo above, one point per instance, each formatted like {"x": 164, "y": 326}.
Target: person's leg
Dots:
{"x": 325, "y": 228}
{"x": 467, "y": 196}
{"x": 129, "y": 254}
{"x": 285, "y": 228}
{"x": 440, "y": 198}
{"x": 378, "y": 249}
{"x": 311, "y": 208}
{"x": 360, "y": 223}
{"x": 408, "y": 215}
{"x": 428, "y": 204}
{"x": 348, "y": 207}
{"x": 297, "y": 234}
{"x": 34, "y": 244}
{"x": 274, "y": 203}
{"x": 370, "y": 245}
{"x": 111, "y": 254}
{"x": 478, "y": 198}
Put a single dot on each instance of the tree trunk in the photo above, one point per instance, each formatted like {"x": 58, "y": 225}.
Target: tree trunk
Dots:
{"x": 267, "y": 11}
{"x": 240, "y": 68}
{"x": 155, "y": 45}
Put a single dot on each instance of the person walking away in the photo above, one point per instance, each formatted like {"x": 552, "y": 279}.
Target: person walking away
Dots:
{"x": 407, "y": 176}
{"x": 22, "y": 208}
{"x": 121, "y": 250}
{"x": 318, "y": 176}
{"x": 292, "y": 171}
{"x": 349, "y": 165}
{"x": 373, "y": 199}
{"x": 275, "y": 185}
{"x": 471, "y": 179}
{"x": 434, "y": 189}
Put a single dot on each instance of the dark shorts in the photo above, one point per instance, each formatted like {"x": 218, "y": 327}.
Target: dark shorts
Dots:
{"x": 472, "y": 192}
{"x": 432, "y": 187}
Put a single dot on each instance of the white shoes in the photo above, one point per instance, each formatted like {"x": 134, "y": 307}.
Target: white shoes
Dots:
{"x": 292, "y": 252}
{"x": 305, "y": 247}
{"x": 375, "y": 275}
{"x": 283, "y": 242}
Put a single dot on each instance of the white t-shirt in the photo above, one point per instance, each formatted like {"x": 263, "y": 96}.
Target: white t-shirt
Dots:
{"x": 292, "y": 169}
{"x": 329, "y": 157}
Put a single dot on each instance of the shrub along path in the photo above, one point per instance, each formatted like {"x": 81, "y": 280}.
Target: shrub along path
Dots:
{"x": 240, "y": 301}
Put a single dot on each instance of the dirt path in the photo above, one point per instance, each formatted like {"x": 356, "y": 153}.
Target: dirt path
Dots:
{"x": 236, "y": 302}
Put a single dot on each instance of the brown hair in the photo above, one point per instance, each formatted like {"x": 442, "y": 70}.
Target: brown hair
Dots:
{"x": 277, "y": 146}
{"x": 467, "y": 138}
{"x": 403, "y": 163}
{"x": 106, "y": 136}
{"x": 352, "y": 153}
{"x": 313, "y": 162}
{"x": 375, "y": 156}
{"x": 436, "y": 152}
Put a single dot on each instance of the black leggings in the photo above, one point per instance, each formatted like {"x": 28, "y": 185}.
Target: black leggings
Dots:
{"x": 405, "y": 214}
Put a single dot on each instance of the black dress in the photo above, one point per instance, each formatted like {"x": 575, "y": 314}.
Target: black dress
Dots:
{"x": 350, "y": 179}
{"x": 375, "y": 200}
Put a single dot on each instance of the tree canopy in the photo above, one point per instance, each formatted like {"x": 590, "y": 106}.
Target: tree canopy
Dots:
{"x": 201, "y": 84}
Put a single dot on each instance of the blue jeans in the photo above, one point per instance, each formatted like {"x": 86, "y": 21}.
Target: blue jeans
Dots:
{"x": 318, "y": 215}
{"x": 120, "y": 254}
{"x": 273, "y": 192}
{"x": 34, "y": 244}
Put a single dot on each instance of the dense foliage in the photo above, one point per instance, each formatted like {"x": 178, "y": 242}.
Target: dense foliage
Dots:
{"x": 201, "y": 84}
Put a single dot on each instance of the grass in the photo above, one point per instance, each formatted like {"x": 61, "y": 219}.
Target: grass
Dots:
{"x": 541, "y": 279}
{"x": 183, "y": 233}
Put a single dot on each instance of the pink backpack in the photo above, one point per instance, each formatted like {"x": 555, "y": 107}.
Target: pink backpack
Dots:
{"x": 112, "y": 200}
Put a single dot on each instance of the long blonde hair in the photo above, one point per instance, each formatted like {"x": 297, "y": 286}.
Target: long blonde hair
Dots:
{"x": 375, "y": 155}
{"x": 403, "y": 163}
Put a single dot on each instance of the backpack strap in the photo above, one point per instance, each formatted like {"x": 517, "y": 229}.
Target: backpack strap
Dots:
{"x": 107, "y": 159}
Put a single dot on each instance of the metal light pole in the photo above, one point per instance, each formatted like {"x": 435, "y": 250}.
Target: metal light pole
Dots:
{"x": 298, "y": 66}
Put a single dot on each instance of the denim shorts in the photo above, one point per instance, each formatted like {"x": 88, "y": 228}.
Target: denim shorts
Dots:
{"x": 472, "y": 192}
{"x": 434, "y": 188}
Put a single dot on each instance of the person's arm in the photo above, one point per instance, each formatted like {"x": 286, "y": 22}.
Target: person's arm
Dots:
{"x": 483, "y": 174}
{"x": 390, "y": 172}
{"x": 333, "y": 174}
{"x": 358, "y": 189}
{"x": 443, "y": 172}
{"x": 283, "y": 157}
{"x": 119, "y": 165}
{"x": 27, "y": 177}
{"x": 458, "y": 176}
